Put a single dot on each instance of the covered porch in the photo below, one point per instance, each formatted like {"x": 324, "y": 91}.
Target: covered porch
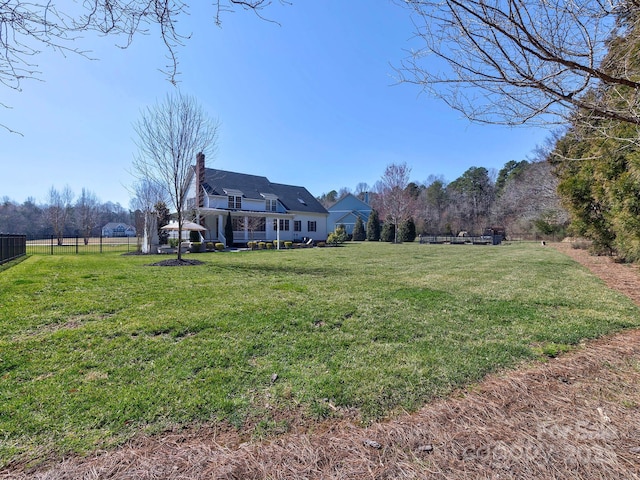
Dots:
{"x": 247, "y": 225}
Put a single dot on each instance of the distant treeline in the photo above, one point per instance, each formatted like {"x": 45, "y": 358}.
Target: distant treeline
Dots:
{"x": 40, "y": 220}
{"x": 522, "y": 197}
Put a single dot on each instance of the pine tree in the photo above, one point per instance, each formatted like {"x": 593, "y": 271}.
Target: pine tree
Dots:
{"x": 388, "y": 233}
{"x": 228, "y": 231}
{"x": 358, "y": 231}
{"x": 373, "y": 227}
{"x": 407, "y": 231}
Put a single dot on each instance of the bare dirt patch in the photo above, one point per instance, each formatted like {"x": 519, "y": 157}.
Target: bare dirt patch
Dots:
{"x": 575, "y": 417}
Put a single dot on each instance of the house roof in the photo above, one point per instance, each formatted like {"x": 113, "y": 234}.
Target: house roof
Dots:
{"x": 293, "y": 198}
{"x": 351, "y": 216}
{"x": 112, "y": 225}
{"x": 350, "y": 203}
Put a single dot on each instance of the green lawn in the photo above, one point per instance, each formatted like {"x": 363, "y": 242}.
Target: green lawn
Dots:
{"x": 94, "y": 348}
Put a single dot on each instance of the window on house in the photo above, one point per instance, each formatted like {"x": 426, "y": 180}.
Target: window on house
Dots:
{"x": 311, "y": 226}
{"x": 237, "y": 223}
{"x": 297, "y": 225}
{"x": 259, "y": 223}
{"x": 235, "y": 202}
{"x": 284, "y": 225}
{"x": 271, "y": 205}
{"x": 252, "y": 224}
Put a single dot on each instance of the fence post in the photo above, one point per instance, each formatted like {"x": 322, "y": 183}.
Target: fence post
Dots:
{"x": 101, "y": 243}
{"x": 51, "y": 244}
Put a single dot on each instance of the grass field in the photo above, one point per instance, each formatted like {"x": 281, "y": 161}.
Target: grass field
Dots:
{"x": 76, "y": 245}
{"x": 96, "y": 348}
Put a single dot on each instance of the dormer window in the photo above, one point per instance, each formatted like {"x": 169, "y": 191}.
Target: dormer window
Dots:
{"x": 235, "y": 198}
{"x": 270, "y": 202}
{"x": 235, "y": 202}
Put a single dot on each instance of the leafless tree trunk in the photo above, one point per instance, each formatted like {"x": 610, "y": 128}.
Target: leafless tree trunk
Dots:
{"x": 58, "y": 210}
{"x": 393, "y": 201}
{"x": 170, "y": 134}
{"x": 87, "y": 213}
{"x": 527, "y": 61}
{"x": 252, "y": 224}
{"x": 530, "y": 197}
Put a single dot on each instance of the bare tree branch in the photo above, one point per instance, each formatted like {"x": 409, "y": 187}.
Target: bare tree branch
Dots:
{"x": 170, "y": 135}
{"x": 526, "y": 61}
{"x": 29, "y": 27}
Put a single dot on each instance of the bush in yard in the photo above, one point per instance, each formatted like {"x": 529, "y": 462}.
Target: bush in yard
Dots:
{"x": 173, "y": 242}
{"x": 337, "y": 237}
{"x": 388, "y": 232}
{"x": 262, "y": 245}
{"x": 358, "y": 231}
{"x": 407, "y": 231}
{"x": 219, "y": 246}
{"x": 288, "y": 244}
{"x": 210, "y": 246}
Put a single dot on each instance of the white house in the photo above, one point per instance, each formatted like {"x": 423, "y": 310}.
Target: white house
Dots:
{"x": 113, "y": 229}
{"x": 260, "y": 210}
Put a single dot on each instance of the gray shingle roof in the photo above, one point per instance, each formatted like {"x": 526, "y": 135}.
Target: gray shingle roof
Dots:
{"x": 293, "y": 198}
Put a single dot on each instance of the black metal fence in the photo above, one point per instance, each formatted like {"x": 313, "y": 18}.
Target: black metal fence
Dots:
{"x": 53, "y": 245}
{"x": 12, "y": 246}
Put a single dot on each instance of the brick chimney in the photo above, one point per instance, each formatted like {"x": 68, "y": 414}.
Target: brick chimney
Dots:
{"x": 199, "y": 179}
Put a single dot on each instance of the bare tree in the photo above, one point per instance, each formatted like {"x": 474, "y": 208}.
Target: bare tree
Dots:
{"x": 59, "y": 210}
{"x": 361, "y": 190}
{"x": 170, "y": 135}
{"x": 530, "y": 199}
{"x": 29, "y": 27}
{"x": 147, "y": 195}
{"x": 393, "y": 200}
{"x": 432, "y": 205}
{"x": 251, "y": 224}
{"x": 86, "y": 212}
{"x": 528, "y": 61}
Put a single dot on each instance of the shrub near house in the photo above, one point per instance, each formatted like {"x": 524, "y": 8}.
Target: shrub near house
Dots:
{"x": 338, "y": 236}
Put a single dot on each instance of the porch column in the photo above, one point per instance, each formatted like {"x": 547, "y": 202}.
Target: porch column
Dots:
{"x": 221, "y": 237}
{"x": 246, "y": 228}
{"x": 278, "y": 233}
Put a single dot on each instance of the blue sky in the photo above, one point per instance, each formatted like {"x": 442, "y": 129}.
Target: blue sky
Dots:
{"x": 312, "y": 101}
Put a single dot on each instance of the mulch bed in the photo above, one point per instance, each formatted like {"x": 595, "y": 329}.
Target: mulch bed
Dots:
{"x": 574, "y": 417}
{"x": 174, "y": 262}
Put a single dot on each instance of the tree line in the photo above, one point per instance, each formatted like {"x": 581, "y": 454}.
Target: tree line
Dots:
{"x": 521, "y": 198}
{"x": 64, "y": 214}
